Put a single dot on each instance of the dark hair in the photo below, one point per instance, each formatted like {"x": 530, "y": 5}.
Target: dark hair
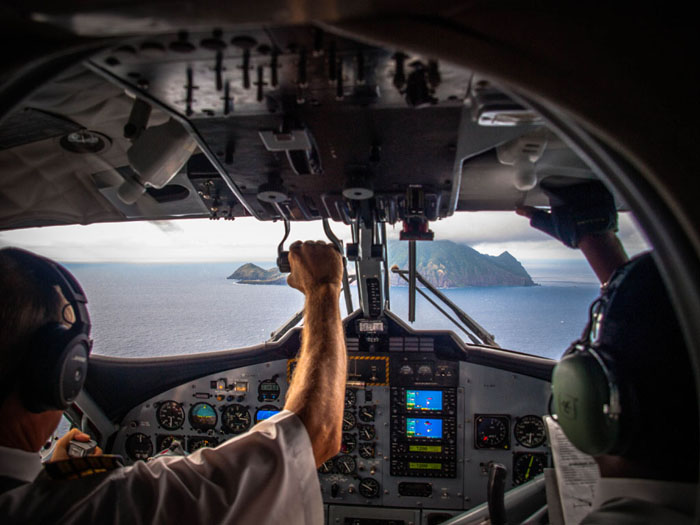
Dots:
{"x": 27, "y": 302}
{"x": 641, "y": 333}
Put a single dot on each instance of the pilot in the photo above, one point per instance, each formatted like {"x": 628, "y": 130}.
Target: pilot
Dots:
{"x": 267, "y": 475}
{"x": 625, "y": 392}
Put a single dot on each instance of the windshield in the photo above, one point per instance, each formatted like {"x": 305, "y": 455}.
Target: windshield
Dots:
{"x": 178, "y": 287}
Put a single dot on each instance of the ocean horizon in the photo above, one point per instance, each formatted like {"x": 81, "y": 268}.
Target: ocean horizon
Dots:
{"x": 156, "y": 309}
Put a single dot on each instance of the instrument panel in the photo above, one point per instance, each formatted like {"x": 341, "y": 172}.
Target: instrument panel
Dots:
{"x": 419, "y": 429}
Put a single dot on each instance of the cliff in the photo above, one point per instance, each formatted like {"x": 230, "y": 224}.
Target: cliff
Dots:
{"x": 446, "y": 264}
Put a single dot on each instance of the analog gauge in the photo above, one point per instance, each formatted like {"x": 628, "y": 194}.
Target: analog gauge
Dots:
{"x": 194, "y": 444}
{"x": 367, "y": 432}
{"x": 367, "y": 450}
{"x": 203, "y": 416}
{"x": 529, "y": 431}
{"x": 139, "y": 446}
{"x": 350, "y": 398}
{"x": 491, "y": 432}
{"x": 235, "y": 419}
{"x": 366, "y": 413}
{"x": 349, "y": 420}
{"x": 349, "y": 443}
{"x": 527, "y": 465}
{"x": 327, "y": 467}
{"x": 345, "y": 464}
{"x": 406, "y": 370}
{"x": 268, "y": 390}
{"x": 369, "y": 488}
{"x": 165, "y": 442}
{"x": 170, "y": 415}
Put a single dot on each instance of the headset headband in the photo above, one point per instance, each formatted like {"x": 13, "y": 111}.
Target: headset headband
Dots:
{"x": 55, "y": 274}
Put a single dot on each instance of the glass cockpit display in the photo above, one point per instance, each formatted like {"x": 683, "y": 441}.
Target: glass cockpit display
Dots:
{"x": 423, "y": 428}
{"x": 424, "y": 400}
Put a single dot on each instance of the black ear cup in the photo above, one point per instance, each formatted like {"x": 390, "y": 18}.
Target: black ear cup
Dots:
{"x": 57, "y": 370}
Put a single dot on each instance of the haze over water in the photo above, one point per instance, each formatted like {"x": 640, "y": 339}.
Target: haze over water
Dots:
{"x": 145, "y": 310}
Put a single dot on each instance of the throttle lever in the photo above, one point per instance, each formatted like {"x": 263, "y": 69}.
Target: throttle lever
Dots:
{"x": 495, "y": 493}
{"x": 282, "y": 254}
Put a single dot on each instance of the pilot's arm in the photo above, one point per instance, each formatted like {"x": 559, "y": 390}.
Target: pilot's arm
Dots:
{"x": 317, "y": 391}
{"x": 582, "y": 216}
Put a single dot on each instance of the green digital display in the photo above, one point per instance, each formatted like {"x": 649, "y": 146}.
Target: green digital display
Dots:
{"x": 425, "y": 466}
{"x": 425, "y": 448}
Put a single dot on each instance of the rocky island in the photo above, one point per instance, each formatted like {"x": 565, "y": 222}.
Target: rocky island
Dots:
{"x": 253, "y": 274}
{"x": 445, "y": 264}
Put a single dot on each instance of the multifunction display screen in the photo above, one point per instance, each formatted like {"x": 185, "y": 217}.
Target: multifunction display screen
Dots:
{"x": 265, "y": 414}
{"x": 423, "y": 428}
{"x": 424, "y": 399}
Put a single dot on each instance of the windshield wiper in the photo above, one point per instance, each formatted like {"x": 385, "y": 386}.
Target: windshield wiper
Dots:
{"x": 476, "y": 333}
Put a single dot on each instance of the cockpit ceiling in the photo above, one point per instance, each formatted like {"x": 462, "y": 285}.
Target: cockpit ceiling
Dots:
{"x": 287, "y": 123}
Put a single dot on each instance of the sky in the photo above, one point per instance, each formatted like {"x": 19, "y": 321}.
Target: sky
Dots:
{"x": 246, "y": 239}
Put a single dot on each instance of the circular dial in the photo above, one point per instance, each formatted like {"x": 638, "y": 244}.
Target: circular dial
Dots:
{"x": 529, "y": 431}
{"x": 235, "y": 419}
{"x": 491, "y": 432}
{"x": 367, "y": 450}
{"x": 349, "y": 420}
{"x": 197, "y": 443}
{"x": 349, "y": 443}
{"x": 139, "y": 446}
{"x": 164, "y": 442}
{"x": 528, "y": 465}
{"x": 369, "y": 487}
{"x": 327, "y": 467}
{"x": 345, "y": 464}
{"x": 366, "y": 413}
{"x": 203, "y": 416}
{"x": 350, "y": 398}
{"x": 170, "y": 415}
{"x": 367, "y": 432}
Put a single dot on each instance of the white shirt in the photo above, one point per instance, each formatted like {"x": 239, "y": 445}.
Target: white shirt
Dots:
{"x": 19, "y": 464}
{"x": 266, "y": 476}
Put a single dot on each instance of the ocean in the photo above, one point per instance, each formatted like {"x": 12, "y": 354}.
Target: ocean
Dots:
{"x": 146, "y": 310}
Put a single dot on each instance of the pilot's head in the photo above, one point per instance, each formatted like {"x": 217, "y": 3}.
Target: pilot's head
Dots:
{"x": 625, "y": 392}
{"x": 44, "y": 339}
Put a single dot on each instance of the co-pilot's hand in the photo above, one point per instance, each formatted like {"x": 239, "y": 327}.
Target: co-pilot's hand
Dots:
{"x": 314, "y": 263}
{"x": 61, "y": 450}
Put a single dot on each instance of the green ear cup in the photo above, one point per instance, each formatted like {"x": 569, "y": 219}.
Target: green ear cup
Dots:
{"x": 580, "y": 389}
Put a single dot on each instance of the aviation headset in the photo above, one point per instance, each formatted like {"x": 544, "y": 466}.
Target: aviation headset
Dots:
{"x": 595, "y": 407}
{"x": 56, "y": 360}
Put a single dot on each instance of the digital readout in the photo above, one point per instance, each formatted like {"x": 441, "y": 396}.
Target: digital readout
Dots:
{"x": 269, "y": 386}
{"x": 424, "y": 399}
{"x": 425, "y": 466}
{"x": 265, "y": 414}
{"x": 423, "y": 428}
{"x": 434, "y": 449}
{"x": 367, "y": 326}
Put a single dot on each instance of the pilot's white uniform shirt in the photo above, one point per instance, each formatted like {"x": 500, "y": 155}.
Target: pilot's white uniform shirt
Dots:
{"x": 267, "y": 475}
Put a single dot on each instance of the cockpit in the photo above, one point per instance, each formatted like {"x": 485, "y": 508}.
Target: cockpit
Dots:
{"x": 383, "y": 143}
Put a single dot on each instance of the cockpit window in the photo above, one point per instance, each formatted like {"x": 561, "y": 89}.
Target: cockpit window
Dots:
{"x": 192, "y": 286}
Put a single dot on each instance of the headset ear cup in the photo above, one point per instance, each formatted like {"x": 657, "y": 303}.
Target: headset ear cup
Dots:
{"x": 57, "y": 372}
{"x": 580, "y": 390}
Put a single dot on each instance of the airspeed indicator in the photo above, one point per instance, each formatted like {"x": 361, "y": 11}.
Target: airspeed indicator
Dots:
{"x": 529, "y": 431}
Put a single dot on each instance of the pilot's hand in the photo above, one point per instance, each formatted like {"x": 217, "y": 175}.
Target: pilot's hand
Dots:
{"x": 578, "y": 210}
{"x": 313, "y": 264}
{"x": 61, "y": 451}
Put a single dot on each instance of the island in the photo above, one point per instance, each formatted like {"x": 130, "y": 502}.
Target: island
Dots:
{"x": 444, "y": 264}
{"x": 252, "y": 274}
{"x": 447, "y": 264}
